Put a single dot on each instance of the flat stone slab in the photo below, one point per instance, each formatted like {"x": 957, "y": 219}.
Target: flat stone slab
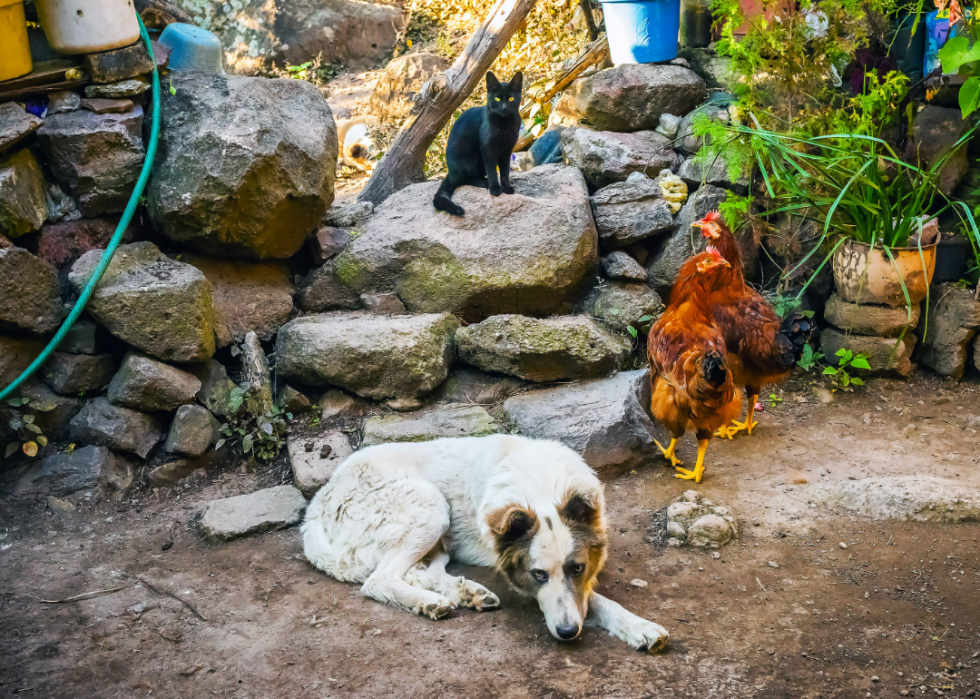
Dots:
{"x": 314, "y": 459}
{"x": 910, "y": 498}
{"x": 15, "y": 123}
{"x": 448, "y": 421}
{"x": 265, "y": 510}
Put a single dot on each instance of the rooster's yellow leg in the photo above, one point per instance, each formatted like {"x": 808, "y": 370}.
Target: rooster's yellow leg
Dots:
{"x": 669, "y": 452}
{"x": 698, "y": 471}
{"x": 735, "y": 427}
{"x": 727, "y": 430}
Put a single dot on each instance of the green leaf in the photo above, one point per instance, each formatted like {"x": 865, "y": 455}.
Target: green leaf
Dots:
{"x": 11, "y": 449}
{"x": 173, "y": 90}
{"x": 614, "y": 311}
{"x": 28, "y": 419}
{"x": 844, "y": 379}
{"x": 956, "y": 52}
{"x": 645, "y": 319}
{"x": 631, "y": 330}
{"x": 33, "y": 428}
{"x": 830, "y": 371}
{"x": 860, "y": 362}
{"x": 856, "y": 381}
{"x": 220, "y": 443}
{"x": 16, "y": 402}
{"x": 42, "y": 440}
{"x": 970, "y": 96}
{"x": 247, "y": 443}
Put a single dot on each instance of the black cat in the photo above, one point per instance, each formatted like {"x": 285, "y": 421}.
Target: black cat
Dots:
{"x": 482, "y": 140}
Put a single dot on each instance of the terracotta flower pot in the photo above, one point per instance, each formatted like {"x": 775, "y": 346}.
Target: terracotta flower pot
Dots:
{"x": 866, "y": 276}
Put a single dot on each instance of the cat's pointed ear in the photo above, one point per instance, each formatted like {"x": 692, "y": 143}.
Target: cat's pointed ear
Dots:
{"x": 492, "y": 82}
{"x": 517, "y": 82}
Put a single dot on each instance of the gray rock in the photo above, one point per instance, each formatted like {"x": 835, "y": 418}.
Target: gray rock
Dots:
{"x": 256, "y": 377}
{"x": 60, "y": 206}
{"x": 314, "y": 459}
{"x": 353, "y": 215}
{"x": 123, "y": 429}
{"x": 192, "y": 432}
{"x": 158, "y": 305}
{"x": 916, "y": 498}
{"x": 327, "y": 242}
{"x": 101, "y": 105}
{"x": 119, "y": 90}
{"x": 695, "y": 172}
{"x": 52, "y": 412}
{"x": 248, "y": 296}
{"x": 454, "y": 420}
{"x": 247, "y": 164}
{"x": 715, "y": 70}
{"x": 520, "y": 253}
{"x": 30, "y": 294}
{"x": 22, "y": 206}
{"x": 668, "y": 125}
{"x": 63, "y": 101}
{"x": 542, "y": 350}
{"x": 632, "y": 97}
{"x": 97, "y": 157}
{"x": 293, "y": 402}
{"x": 262, "y": 511}
{"x": 622, "y": 304}
{"x": 82, "y": 469}
{"x": 605, "y": 157}
{"x": 687, "y": 241}
{"x": 385, "y": 304}
{"x": 619, "y": 265}
{"x": 16, "y": 354}
{"x": 627, "y": 212}
{"x": 146, "y": 384}
{"x": 118, "y": 64}
{"x": 176, "y": 470}
{"x": 336, "y": 404}
{"x": 694, "y": 520}
{"x": 954, "y": 317}
{"x": 935, "y": 130}
{"x": 217, "y": 393}
{"x": 16, "y": 123}
{"x": 688, "y": 143}
{"x": 605, "y": 421}
{"x": 399, "y": 83}
{"x": 887, "y": 356}
{"x": 868, "y": 319}
{"x": 477, "y": 387}
{"x": 82, "y": 338}
{"x": 373, "y": 356}
{"x": 74, "y": 374}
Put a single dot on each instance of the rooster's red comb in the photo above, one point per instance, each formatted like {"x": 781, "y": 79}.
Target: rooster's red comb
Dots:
{"x": 712, "y": 216}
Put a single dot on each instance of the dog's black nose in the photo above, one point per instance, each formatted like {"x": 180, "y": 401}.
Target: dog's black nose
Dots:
{"x": 567, "y": 633}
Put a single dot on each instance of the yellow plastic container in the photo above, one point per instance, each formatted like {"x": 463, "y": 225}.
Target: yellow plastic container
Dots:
{"x": 15, "y": 58}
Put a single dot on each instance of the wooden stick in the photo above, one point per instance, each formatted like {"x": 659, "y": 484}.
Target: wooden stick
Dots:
{"x": 586, "y": 6}
{"x": 439, "y": 98}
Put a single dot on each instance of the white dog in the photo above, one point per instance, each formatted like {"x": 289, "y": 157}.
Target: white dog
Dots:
{"x": 393, "y": 515}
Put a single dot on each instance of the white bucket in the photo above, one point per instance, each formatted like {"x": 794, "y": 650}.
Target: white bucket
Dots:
{"x": 88, "y": 26}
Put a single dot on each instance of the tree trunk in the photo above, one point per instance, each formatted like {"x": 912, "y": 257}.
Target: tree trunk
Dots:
{"x": 402, "y": 165}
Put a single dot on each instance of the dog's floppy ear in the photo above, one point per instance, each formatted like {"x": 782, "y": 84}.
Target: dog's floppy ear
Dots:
{"x": 511, "y": 523}
{"x": 581, "y": 506}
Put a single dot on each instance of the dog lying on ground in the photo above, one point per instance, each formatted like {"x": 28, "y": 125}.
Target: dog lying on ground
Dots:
{"x": 393, "y": 515}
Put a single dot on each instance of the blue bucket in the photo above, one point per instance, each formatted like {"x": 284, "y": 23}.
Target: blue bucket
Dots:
{"x": 642, "y": 32}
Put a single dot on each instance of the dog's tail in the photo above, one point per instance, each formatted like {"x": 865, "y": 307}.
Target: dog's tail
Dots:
{"x": 443, "y": 199}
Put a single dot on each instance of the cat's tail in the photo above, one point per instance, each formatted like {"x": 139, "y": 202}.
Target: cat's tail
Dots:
{"x": 443, "y": 199}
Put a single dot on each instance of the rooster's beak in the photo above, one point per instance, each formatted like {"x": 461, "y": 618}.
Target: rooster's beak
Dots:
{"x": 698, "y": 224}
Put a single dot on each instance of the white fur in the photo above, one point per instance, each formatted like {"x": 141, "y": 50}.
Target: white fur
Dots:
{"x": 393, "y": 515}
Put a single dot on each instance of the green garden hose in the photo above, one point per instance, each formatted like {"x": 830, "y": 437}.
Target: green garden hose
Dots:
{"x": 76, "y": 311}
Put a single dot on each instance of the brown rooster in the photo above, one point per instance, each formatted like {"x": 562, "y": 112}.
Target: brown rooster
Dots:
{"x": 762, "y": 347}
{"x": 691, "y": 384}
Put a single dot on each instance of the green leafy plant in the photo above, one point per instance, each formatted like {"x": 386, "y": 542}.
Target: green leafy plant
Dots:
{"x": 847, "y": 360}
{"x": 774, "y": 400}
{"x": 643, "y": 322}
{"x": 30, "y": 437}
{"x": 809, "y": 358}
{"x": 260, "y": 436}
{"x": 961, "y": 55}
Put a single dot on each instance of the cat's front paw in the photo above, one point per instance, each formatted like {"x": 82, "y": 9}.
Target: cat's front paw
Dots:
{"x": 496, "y": 190}
{"x": 508, "y": 189}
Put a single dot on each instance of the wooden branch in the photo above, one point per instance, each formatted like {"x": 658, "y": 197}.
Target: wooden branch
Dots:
{"x": 586, "y": 6}
{"x": 439, "y": 98}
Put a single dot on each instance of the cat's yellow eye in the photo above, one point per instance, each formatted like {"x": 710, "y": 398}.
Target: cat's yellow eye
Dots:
{"x": 511, "y": 99}
{"x": 497, "y": 98}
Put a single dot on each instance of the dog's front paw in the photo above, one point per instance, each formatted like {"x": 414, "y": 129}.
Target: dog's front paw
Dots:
{"x": 486, "y": 601}
{"x": 437, "y": 611}
{"x": 645, "y": 635}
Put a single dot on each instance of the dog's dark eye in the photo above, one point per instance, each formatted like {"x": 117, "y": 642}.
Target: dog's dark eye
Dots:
{"x": 540, "y": 575}
{"x": 578, "y": 569}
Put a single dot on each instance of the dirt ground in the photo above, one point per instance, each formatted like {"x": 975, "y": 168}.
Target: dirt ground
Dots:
{"x": 897, "y": 610}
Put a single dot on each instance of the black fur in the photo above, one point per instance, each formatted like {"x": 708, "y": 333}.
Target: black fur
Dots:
{"x": 714, "y": 368}
{"x": 481, "y": 140}
{"x": 577, "y": 509}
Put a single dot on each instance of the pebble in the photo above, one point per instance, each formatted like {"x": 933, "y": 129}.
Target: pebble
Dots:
{"x": 875, "y": 678}
{"x": 716, "y": 555}
{"x": 843, "y": 545}
{"x": 639, "y": 583}
{"x": 773, "y": 564}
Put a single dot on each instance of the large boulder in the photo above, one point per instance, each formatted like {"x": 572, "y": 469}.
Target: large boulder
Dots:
{"x": 248, "y": 296}
{"x": 954, "y": 317}
{"x": 158, "y": 305}
{"x": 935, "y": 131}
{"x": 687, "y": 241}
{"x": 887, "y": 356}
{"x": 100, "y": 422}
{"x": 246, "y": 165}
{"x": 623, "y": 305}
{"x": 394, "y": 93}
{"x": 632, "y": 97}
{"x": 22, "y": 207}
{"x": 82, "y": 469}
{"x": 144, "y": 383}
{"x": 605, "y": 421}
{"x": 541, "y": 350}
{"x": 627, "y": 212}
{"x": 75, "y": 374}
{"x": 869, "y": 319}
{"x": 30, "y": 295}
{"x": 458, "y": 420}
{"x": 374, "y": 356}
{"x": 605, "y": 157}
{"x": 97, "y": 157}
{"x": 518, "y": 253}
